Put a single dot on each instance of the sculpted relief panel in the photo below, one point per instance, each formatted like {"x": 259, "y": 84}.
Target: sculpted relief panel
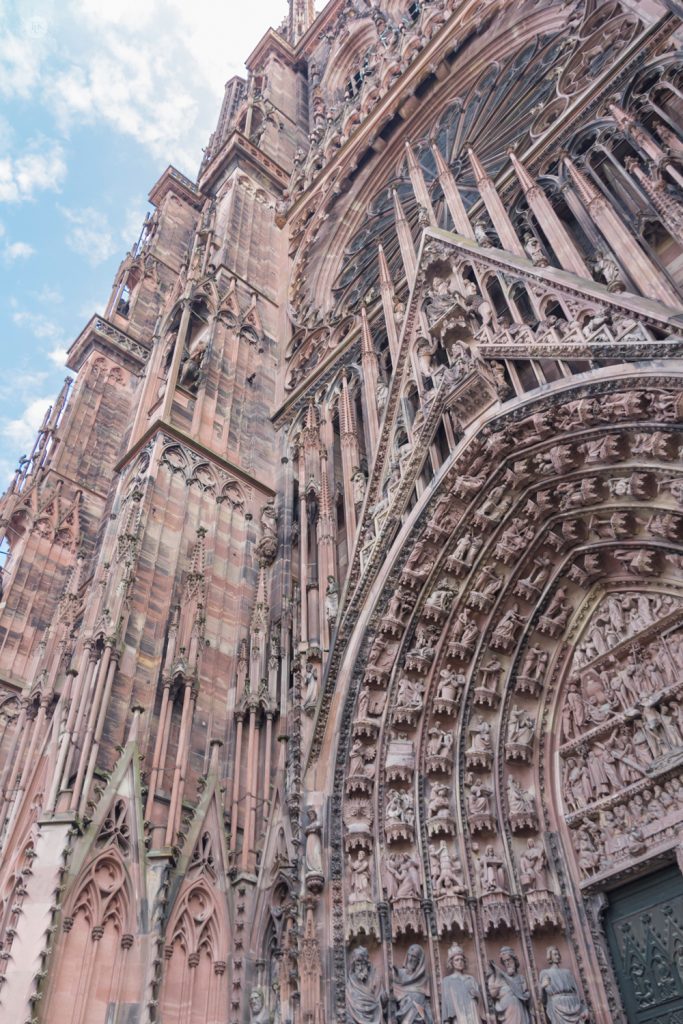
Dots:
{"x": 518, "y": 730}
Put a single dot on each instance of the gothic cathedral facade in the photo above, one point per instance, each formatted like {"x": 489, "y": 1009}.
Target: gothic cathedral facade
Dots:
{"x": 341, "y": 619}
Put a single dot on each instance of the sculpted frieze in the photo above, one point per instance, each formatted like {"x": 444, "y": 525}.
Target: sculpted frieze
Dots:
{"x": 421, "y": 654}
{"x": 402, "y": 884}
{"x": 485, "y": 589}
{"x": 362, "y": 768}
{"x": 400, "y": 606}
{"x": 409, "y": 701}
{"x": 507, "y": 629}
{"x": 463, "y": 554}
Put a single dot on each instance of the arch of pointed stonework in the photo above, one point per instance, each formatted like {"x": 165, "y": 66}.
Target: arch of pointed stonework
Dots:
{"x": 198, "y": 911}
{"x": 98, "y": 924}
{"x": 583, "y": 478}
{"x": 193, "y": 986}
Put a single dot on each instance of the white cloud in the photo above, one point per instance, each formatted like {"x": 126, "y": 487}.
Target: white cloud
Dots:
{"x": 153, "y": 71}
{"x": 49, "y": 296}
{"x": 90, "y": 234}
{"x": 22, "y": 53}
{"x": 41, "y": 168}
{"x": 92, "y": 307}
{"x": 39, "y": 326}
{"x": 57, "y": 356}
{"x": 22, "y": 431}
{"x": 17, "y": 251}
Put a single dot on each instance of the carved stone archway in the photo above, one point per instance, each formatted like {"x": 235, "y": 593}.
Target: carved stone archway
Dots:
{"x": 449, "y": 822}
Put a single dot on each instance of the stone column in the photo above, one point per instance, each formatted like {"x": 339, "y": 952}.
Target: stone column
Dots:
{"x": 496, "y": 210}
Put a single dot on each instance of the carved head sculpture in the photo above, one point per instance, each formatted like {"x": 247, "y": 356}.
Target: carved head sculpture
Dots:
{"x": 553, "y": 955}
{"x": 508, "y": 959}
{"x": 256, "y": 1000}
{"x": 456, "y": 958}
{"x": 359, "y": 963}
{"x": 414, "y": 956}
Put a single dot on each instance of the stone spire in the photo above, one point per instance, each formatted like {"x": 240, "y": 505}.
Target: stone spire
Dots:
{"x": 301, "y": 17}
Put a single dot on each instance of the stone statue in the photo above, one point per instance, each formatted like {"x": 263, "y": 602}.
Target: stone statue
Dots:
{"x": 534, "y": 251}
{"x": 520, "y": 727}
{"x": 439, "y": 804}
{"x": 533, "y": 865}
{"x": 492, "y": 875}
{"x": 440, "y": 743}
{"x": 381, "y": 394}
{"x": 359, "y": 481}
{"x": 462, "y": 1001}
{"x": 534, "y": 663}
{"x": 267, "y": 545}
{"x": 314, "y": 846}
{"x": 191, "y": 365}
{"x": 257, "y": 1008}
{"x": 509, "y": 989}
{"x": 450, "y": 684}
{"x": 561, "y": 997}
{"x": 479, "y": 799}
{"x": 481, "y": 235}
{"x": 519, "y": 799}
{"x": 402, "y": 876}
{"x": 364, "y": 997}
{"x": 311, "y": 691}
{"x": 331, "y": 600}
{"x": 481, "y": 736}
{"x": 605, "y": 264}
{"x": 447, "y": 874}
{"x": 361, "y": 891}
{"x": 412, "y": 989}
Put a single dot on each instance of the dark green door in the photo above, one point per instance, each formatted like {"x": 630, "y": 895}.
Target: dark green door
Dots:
{"x": 645, "y": 934}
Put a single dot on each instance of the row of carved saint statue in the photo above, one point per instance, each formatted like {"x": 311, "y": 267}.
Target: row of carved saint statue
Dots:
{"x": 462, "y": 1000}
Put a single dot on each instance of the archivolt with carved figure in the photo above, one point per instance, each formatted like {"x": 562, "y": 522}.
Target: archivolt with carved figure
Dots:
{"x": 519, "y": 737}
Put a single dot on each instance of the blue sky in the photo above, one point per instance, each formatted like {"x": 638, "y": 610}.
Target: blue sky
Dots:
{"x": 96, "y": 99}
